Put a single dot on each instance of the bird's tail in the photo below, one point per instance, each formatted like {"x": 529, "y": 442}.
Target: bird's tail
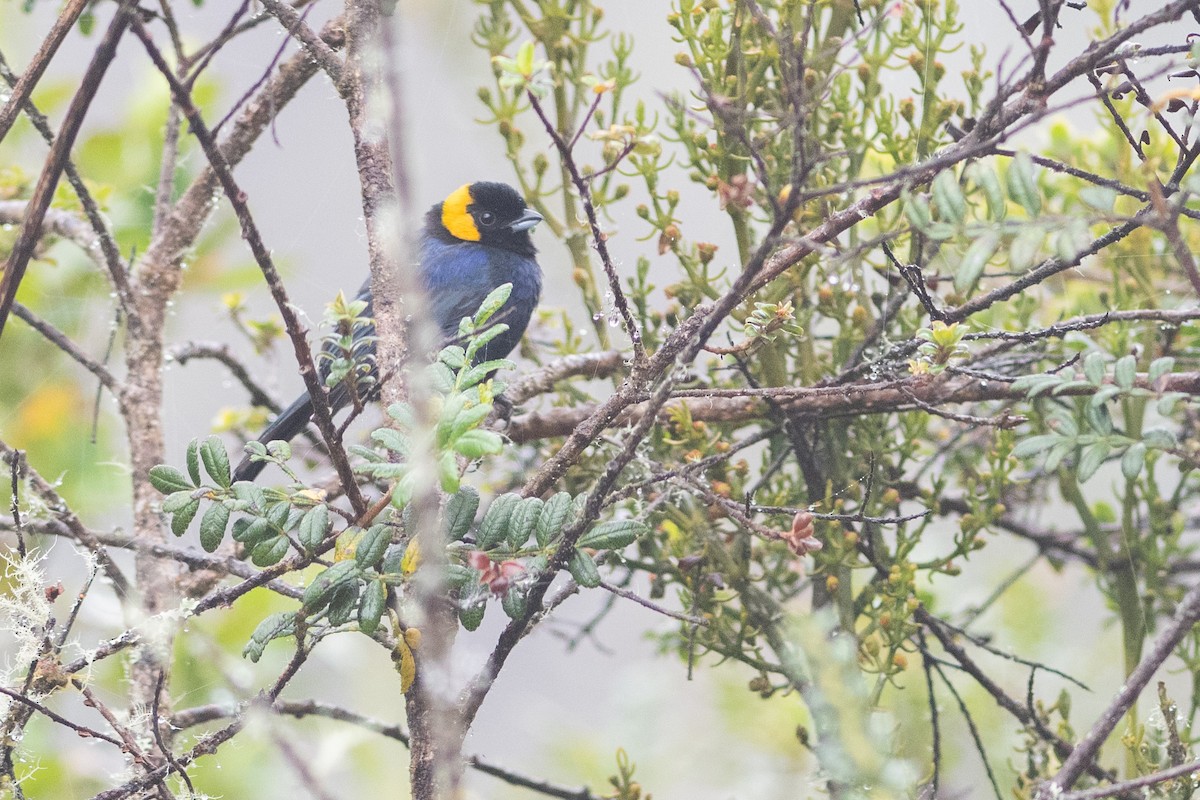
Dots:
{"x": 287, "y": 426}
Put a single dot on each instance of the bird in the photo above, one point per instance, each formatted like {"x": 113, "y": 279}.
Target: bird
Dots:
{"x": 474, "y": 241}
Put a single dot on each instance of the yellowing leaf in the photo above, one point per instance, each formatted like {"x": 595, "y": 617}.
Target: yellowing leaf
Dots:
{"x": 412, "y": 558}
{"x": 406, "y": 665}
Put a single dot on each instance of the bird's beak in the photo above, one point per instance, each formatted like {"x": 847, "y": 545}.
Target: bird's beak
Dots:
{"x": 525, "y": 222}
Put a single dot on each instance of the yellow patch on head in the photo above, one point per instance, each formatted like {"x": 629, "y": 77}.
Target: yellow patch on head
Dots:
{"x": 455, "y": 216}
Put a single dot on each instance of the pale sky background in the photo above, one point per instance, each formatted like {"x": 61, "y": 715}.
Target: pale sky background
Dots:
{"x": 548, "y": 704}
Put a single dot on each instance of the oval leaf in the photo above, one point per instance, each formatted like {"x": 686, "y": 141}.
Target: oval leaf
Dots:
{"x": 216, "y": 461}
{"x": 583, "y": 569}
{"x": 1090, "y": 460}
{"x": 372, "y": 545}
{"x": 183, "y": 517}
{"x": 212, "y": 526}
{"x": 193, "y": 461}
{"x": 314, "y": 527}
{"x": 612, "y": 535}
{"x": 372, "y": 606}
{"x": 524, "y": 519}
{"x": 1133, "y": 460}
{"x": 975, "y": 259}
{"x": 554, "y": 516}
{"x": 494, "y": 527}
{"x": 460, "y": 512}
{"x": 168, "y": 480}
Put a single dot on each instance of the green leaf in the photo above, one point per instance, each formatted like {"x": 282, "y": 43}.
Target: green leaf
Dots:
{"x": 1064, "y": 423}
{"x": 274, "y": 626}
{"x": 1166, "y": 404}
{"x": 343, "y": 603}
{"x": 554, "y": 516}
{"x": 460, "y": 512}
{"x": 269, "y": 551}
{"x": 583, "y": 569}
{"x": 974, "y": 261}
{"x": 212, "y": 527}
{"x": 458, "y": 576}
{"x": 480, "y": 340}
{"x": 314, "y": 527}
{"x": 1133, "y": 460}
{"x": 251, "y": 494}
{"x": 278, "y": 515}
{"x": 453, "y": 356}
{"x": 168, "y": 479}
{"x": 472, "y": 605}
{"x": 1090, "y": 460}
{"x": 1035, "y": 444}
{"x": 1073, "y": 238}
{"x": 1104, "y": 394}
{"x": 1022, "y": 186}
{"x": 1033, "y": 385}
{"x": 393, "y": 558}
{"x": 1025, "y": 246}
{"x": 177, "y": 500}
{"x": 986, "y": 179}
{"x": 403, "y": 490}
{"x": 612, "y": 535}
{"x": 472, "y": 616}
{"x": 948, "y": 197}
{"x": 494, "y": 527}
{"x": 216, "y": 461}
{"x": 448, "y": 477}
{"x": 523, "y": 521}
{"x": 254, "y": 532}
{"x": 1058, "y": 453}
{"x": 1093, "y": 368}
{"x": 1071, "y": 386}
{"x": 479, "y": 372}
{"x": 183, "y": 518}
{"x": 940, "y": 231}
{"x": 468, "y": 418}
{"x": 1160, "y": 367}
{"x": 498, "y": 296}
{"x": 280, "y": 449}
{"x": 193, "y": 461}
{"x": 371, "y": 606}
{"x": 1159, "y": 439}
{"x": 372, "y": 545}
{"x": 318, "y": 593}
{"x": 1101, "y": 198}
{"x": 514, "y": 602}
{"x": 1125, "y": 371}
{"x": 402, "y": 413}
{"x": 1098, "y": 418}
{"x": 916, "y": 208}
{"x": 524, "y": 66}
{"x": 393, "y": 440}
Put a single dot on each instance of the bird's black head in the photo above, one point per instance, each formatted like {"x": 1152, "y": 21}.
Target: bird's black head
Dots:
{"x": 488, "y": 213}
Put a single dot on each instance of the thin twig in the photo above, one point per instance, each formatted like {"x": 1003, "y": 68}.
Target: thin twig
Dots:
{"x": 43, "y": 193}
{"x": 641, "y": 601}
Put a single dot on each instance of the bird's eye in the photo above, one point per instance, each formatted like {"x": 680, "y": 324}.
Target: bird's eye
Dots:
{"x": 487, "y": 218}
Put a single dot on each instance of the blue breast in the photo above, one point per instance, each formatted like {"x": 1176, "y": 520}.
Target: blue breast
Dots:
{"x": 458, "y": 277}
